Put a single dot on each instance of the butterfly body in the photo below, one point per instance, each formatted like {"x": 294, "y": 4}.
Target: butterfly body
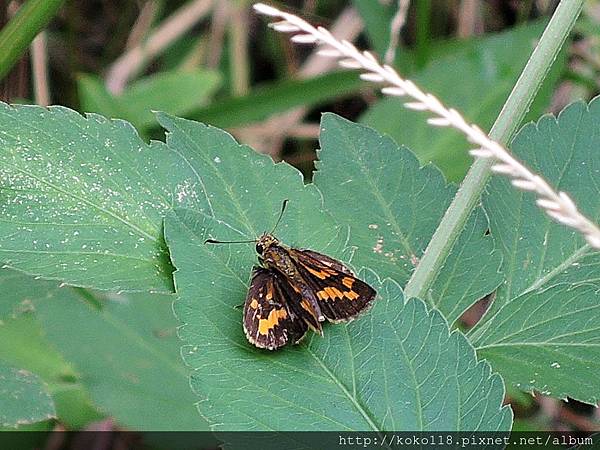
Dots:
{"x": 294, "y": 290}
{"x": 277, "y": 257}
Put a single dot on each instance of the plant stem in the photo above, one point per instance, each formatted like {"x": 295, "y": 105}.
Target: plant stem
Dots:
{"x": 238, "y": 48}
{"x": 505, "y": 126}
{"x": 16, "y": 36}
{"x": 423, "y": 30}
{"x": 39, "y": 69}
{"x": 134, "y": 60}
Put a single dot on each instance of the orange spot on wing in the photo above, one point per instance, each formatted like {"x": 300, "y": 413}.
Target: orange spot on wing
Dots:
{"x": 321, "y": 274}
{"x": 335, "y": 293}
{"x": 351, "y": 295}
{"x": 264, "y": 325}
{"x": 330, "y": 293}
{"x": 253, "y": 304}
{"x": 348, "y": 282}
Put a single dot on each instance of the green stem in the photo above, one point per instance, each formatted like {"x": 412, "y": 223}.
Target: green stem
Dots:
{"x": 423, "y": 25}
{"x": 510, "y": 117}
{"x": 16, "y": 36}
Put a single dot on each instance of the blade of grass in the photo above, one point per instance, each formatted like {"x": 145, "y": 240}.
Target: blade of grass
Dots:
{"x": 16, "y": 36}
{"x": 423, "y": 31}
{"x": 278, "y": 97}
{"x": 505, "y": 126}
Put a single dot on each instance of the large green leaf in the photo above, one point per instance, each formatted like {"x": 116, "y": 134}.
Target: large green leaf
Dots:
{"x": 15, "y": 300}
{"x": 393, "y": 206}
{"x": 23, "y": 345}
{"x": 473, "y": 76}
{"x": 396, "y": 368}
{"x": 177, "y": 92}
{"x": 126, "y": 354}
{"x": 122, "y": 349}
{"x": 82, "y": 199}
{"x": 543, "y": 330}
{"x": 24, "y": 398}
{"x": 246, "y": 190}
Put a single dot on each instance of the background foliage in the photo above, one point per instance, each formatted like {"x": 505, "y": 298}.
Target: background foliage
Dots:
{"x": 104, "y": 214}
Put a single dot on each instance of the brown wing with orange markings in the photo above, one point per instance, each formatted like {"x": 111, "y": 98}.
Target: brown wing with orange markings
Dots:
{"x": 325, "y": 260}
{"x": 340, "y": 294}
{"x": 269, "y": 321}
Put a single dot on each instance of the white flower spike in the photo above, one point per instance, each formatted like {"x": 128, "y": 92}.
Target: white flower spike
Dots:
{"x": 557, "y": 205}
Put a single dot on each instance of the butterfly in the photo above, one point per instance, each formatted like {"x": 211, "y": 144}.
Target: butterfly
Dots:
{"x": 294, "y": 290}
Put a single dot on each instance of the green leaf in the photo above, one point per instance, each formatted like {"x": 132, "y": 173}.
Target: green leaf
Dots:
{"x": 471, "y": 271}
{"x": 246, "y": 190}
{"x": 278, "y": 97}
{"x": 94, "y": 97}
{"x": 126, "y": 353}
{"x": 15, "y": 301}
{"x": 377, "y": 17}
{"x": 83, "y": 199}
{"x": 542, "y": 330}
{"x": 122, "y": 349}
{"x": 176, "y": 92}
{"x": 31, "y": 18}
{"x": 392, "y": 208}
{"x": 24, "y": 398}
{"x": 474, "y": 77}
{"x": 395, "y": 368}
{"x": 23, "y": 345}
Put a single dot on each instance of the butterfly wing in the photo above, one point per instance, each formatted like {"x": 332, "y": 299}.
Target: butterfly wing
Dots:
{"x": 325, "y": 260}
{"x": 341, "y": 296}
{"x": 269, "y": 321}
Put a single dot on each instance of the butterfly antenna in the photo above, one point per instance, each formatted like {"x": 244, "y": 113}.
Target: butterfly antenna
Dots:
{"x": 214, "y": 241}
{"x": 283, "y": 206}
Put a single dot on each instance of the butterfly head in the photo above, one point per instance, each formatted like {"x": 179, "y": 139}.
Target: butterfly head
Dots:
{"x": 265, "y": 242}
